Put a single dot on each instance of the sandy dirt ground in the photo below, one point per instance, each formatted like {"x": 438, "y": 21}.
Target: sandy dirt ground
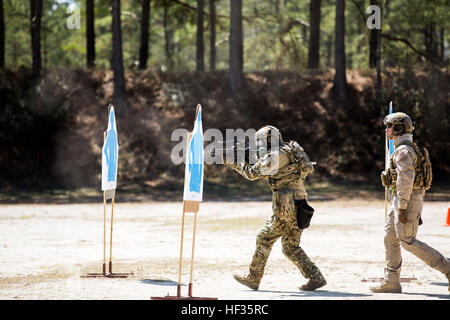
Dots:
{"x": 46, "y": 249}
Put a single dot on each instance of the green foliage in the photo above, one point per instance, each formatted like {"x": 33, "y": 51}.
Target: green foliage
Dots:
{"x": 275, "y": 40}
{"x": 275, "y": 36}
{"x": 17, "y": 23}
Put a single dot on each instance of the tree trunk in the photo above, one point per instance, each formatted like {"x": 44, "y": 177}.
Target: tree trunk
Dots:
{"x": 145, "y": 22}
{"x": 387, "y": 8}
{"x": 212, "y": 35}
{"x": 90, "y": 34}
{"x": 378, "y": 63}
{"x": 373, "y": 42}
{"x": 430, "y": 40}
{"x": 314, "y": 35}
{"x": 167, "y": 35}
{"x": 120, "y": 95}
{"x": 373, "y": 45}
{"x": 304, "y": 33}
{"x": 236, "y": 46}
{"x": 35, "y": 30}
{"x": 329, "y": 44}
{"x": 340, "y": 80}
{"x": 2, "y": 36}
{"x": 200, "y": 61}
{"x": 44, "y": 47}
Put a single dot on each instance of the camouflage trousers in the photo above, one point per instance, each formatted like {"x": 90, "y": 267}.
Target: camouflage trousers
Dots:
{"x": 283, "y": 223}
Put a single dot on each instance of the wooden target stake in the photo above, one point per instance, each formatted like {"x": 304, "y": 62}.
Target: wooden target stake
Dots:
{"x": 192, "y": 256}
{"x": 385, "y": 166}
{"x": 104, "y": 221}
{"x": 111, "y": 234}
{"x": 104, "y": 232}
{"x": 181, "y": 252}
{"x": 188, "y": 206}
{"x": 104, "y": 274}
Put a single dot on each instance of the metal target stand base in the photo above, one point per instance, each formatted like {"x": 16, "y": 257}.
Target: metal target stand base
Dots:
{"x": 180, "y": 297}
{"x": 107, "y": 194}
{"x": 107, "y": 275}
{"x": 188, "y": 206}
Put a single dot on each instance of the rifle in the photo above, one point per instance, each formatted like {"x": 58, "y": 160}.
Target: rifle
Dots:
{"x": 237, "y": 148}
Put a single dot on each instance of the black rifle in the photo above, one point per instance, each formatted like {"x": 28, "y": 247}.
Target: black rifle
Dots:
{"x": 237, "y": 148}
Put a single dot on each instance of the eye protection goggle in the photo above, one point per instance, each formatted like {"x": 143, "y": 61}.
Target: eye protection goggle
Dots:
{"x": 261, "y": 143}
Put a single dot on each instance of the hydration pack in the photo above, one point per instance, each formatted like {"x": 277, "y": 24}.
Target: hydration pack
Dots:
{"x": 299, "y": 156}
{"x": 422, "y": 167}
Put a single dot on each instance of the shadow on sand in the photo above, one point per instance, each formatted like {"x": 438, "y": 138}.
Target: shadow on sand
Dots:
{"x": 440, "y": 296}
{"x": 160, "y": 282}
{"x": 318, "y": 293}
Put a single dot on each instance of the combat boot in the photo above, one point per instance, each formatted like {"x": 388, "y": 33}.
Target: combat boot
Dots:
{"x": 387, "y": 287}
{"x": 247, "y": 280}
{"x": 313, "y": 284}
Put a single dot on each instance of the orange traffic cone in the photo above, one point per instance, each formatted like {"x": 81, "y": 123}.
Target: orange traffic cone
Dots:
{"x": 447, "y": 223}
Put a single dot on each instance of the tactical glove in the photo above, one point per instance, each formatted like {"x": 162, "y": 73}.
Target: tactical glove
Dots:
{"x": 402, "y": 215}
{"x": 224, "y": 161}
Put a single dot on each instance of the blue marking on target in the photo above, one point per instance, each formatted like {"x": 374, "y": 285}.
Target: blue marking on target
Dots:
{"x": 196, "y": 158}
{"x": 111, "y": 150}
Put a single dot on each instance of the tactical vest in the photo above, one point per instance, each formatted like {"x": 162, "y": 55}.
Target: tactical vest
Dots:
{"x": 290, "y": 175}
{"x": 422, "y": 167}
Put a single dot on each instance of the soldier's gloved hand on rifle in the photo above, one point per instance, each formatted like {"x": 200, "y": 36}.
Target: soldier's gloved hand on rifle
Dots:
{"x": 402, "y": 216}
{"x": 224, "y": 160}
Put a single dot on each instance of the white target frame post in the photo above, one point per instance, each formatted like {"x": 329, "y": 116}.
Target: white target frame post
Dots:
{"x": 188, "y": 206}
{"x": 108, "y": 193}
{"x": 191, "y": 203}
{"x": 386, "y": 141}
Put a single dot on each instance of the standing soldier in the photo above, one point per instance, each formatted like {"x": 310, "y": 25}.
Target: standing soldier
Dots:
{"x": 409, "y": 176}
{"x": 284, "y": 166}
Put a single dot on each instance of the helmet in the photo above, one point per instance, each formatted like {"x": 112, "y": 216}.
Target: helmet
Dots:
{"x": 400, "y": 122}
{"x": 266, "y": 138}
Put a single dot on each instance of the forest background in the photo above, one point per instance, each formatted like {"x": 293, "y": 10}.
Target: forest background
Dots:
{"x": 312, "y": 68}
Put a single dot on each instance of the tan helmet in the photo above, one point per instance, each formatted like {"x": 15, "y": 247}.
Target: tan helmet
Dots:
{"x": 401, "y": 123}
{"x": 267, "y": 135}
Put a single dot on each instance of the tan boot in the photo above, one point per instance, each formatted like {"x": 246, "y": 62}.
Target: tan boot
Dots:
{"x": 387, "y": 287}
{"x": 247, "y": 280}
{"x": 313, "y": 284}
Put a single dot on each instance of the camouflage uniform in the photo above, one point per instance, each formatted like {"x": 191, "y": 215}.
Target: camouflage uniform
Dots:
{"x": 285, "y": 179}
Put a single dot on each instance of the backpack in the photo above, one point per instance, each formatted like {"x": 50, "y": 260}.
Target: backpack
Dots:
{"x": 422, "y": 167}
{"x": 299, "y": 156}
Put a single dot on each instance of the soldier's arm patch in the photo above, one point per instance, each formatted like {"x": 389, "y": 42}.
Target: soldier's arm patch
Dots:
{"x": 401, "y": 154}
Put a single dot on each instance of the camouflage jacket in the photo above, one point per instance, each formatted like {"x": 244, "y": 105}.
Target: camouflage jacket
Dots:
{"x": 284, "y": 169}
{"x": 403, "y": 160}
